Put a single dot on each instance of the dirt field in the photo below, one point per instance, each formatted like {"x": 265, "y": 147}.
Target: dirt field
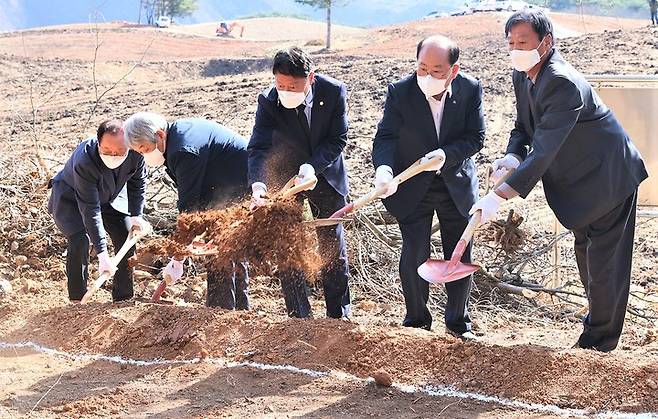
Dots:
{"x": 207, "y": 362}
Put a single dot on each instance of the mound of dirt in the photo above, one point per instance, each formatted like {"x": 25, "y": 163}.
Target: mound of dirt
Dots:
{"x": 531, "y": 373}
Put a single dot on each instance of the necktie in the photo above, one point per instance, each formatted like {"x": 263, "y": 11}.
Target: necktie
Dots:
{"x": 303, "y": 122}
{"x": 531, "y": 101}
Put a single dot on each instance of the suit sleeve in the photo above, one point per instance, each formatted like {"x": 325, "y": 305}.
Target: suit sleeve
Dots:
{"x": 330, "y": 147}
{"x": 88, "y": 199}
{"x": 189, "y": 169}
{"x": 137, "y": 189}
{"x": 472, "y": 141}
{"x": 561, "y": 104}
{"x": 260, "y": 143}
{"x": 388, "y": 132}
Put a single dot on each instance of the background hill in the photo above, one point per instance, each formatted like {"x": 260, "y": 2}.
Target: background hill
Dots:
{"x": 22, "y": 14}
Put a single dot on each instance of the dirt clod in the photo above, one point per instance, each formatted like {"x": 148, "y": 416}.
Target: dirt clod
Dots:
{"x": 382, "y": 378}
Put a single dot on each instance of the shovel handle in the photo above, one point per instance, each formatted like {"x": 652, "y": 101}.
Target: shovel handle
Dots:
{"x": 291, "y": 189}
{"x": 133, "y": 237}
{"x": 416, "y": 168}
{"x": 474, "y": 222}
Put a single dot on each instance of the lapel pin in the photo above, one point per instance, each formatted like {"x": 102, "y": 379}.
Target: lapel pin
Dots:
{"x": 321, "y": 103}
{"x": 454, "y": 102}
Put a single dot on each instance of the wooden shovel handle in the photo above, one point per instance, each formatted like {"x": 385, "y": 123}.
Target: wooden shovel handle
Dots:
{"x": 473, "y": 223}
{"x": 416, "y": 168}
{"x": 133, "y": 237}
{"x": 290, "y": 190}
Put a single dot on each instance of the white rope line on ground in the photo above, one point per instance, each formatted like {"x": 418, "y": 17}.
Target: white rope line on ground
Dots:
{"x": 430, "y": 390}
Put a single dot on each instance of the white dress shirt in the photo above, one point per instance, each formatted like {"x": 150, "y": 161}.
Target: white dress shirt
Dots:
{"x": 437, "y": 107}
{"x": 308, "y": 101}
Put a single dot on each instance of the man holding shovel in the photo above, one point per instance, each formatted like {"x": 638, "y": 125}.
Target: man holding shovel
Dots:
{"x": 590, "y": 170}
{"x": 208, "y": 164}
{"x": 101, "y": 188}
{"x": 437, "y": 111}
{"x": 301, "y": 127}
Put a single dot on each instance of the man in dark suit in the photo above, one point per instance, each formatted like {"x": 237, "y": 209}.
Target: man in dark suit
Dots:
{"x": 435, "y": 111}
{"x": 301, "y": 127}
{"x": 590, "y": 169}
{"x": 101, "y": 188}
{"x": 208, "y": 164}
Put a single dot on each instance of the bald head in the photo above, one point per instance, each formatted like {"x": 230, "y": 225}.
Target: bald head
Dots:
{"x": 439, "y": 45}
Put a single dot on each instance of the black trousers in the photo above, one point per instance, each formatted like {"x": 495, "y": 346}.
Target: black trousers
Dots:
{"x": 324, "y": 201}
{"x": 416, "y": 230}
{"x": 229, "y": 289}
{"x": 604, "y": 253}
{"x": 77, "y": 258}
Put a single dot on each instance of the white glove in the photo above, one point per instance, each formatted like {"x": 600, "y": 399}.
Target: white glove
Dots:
{"x": 105, "y": 264}
{"x": 173, "y": 271}
{"x": 306, "y": 172}
{"x": 489, "y": 205}
{"x": 383, "y": 177}
{"x": 440, "y": 156}
{"x": 140, "y": 223}
{"x": 258, "y": 194}
{"x": 501, "y": 166}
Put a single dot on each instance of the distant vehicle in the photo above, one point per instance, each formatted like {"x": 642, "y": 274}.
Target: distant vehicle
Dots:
{"x": 163, "y": 22}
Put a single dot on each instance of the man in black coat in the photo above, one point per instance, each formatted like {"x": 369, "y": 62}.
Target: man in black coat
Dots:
{"x": 100, "y": 189}
{"x": 301, "y": 128}
{"x": 566, "y": 136}
{"x": 208, "y": 164}
{"x": 435, "y": 111}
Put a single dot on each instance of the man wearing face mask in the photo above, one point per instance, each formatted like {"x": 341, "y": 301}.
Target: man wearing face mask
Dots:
{"x": 435, "y": 111}
{"x": 301, "y": 128}
{"x": 101, "y": 188}
{"x": 590, "y": 170}
{"x": 208, "y": 164}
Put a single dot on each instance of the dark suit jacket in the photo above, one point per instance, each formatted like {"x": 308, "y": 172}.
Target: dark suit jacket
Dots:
{"x": 85, "y": 185}
{"x": 279, "y": 145}
{"x": 573, "y": 142}
{"x": 208, "y": 163}
{"x": 406, "y": 133}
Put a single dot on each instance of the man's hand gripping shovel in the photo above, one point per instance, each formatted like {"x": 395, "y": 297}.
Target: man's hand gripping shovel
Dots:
{"x": 134, "y": 236}
{"x": 199, "y": 247}
{"x": 433, "y": 164}
{"x": 437, "y": 271}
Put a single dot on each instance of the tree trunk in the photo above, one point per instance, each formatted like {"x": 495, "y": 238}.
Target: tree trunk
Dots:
{"x": 139, "y": 18}
{"x": 329, "y": 25}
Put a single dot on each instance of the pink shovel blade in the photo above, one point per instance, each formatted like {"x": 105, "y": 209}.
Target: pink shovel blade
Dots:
{"x": 437, "y": 271}
{"x": 158, "y": 291}
{"x": 343, "y": 211}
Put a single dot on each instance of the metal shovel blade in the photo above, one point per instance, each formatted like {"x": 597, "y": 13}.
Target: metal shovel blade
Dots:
{"x": 158, "y": 291}
{"x": 437, "y": 271}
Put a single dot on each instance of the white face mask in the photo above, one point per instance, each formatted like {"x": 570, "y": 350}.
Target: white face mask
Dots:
{"x": 525, "y": 60}
{"x": 154, "y": 158}
{"x": 291, "y": 100}
{"x": 431, "y": 86}
{"x": 112, "y": 162}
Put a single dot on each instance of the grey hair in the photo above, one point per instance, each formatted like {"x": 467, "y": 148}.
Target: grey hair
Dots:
{"x": 143, "y": 126}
